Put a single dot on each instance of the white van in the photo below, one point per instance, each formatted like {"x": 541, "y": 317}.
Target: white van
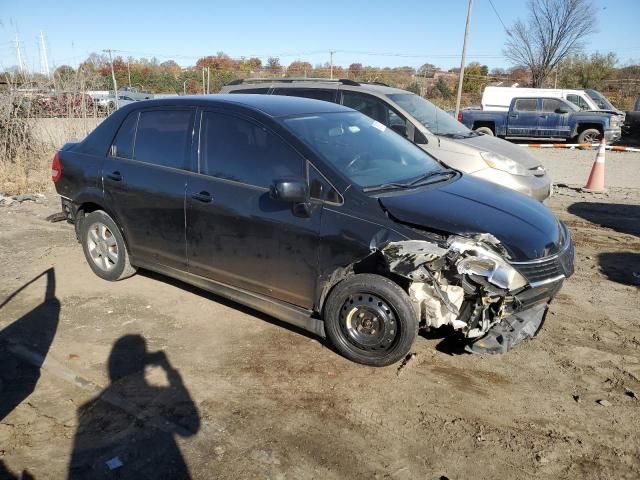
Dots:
{"x": 499, "y": 98}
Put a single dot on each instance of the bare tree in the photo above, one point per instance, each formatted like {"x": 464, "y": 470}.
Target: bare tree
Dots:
{"x": 554, "y": 30}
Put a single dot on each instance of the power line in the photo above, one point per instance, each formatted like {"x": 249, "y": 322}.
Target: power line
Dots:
{"x": 498, "y": 15}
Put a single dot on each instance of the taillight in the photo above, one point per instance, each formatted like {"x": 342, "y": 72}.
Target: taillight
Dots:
{"x": 460, "y": 117}
{"x": 56, "y": 168}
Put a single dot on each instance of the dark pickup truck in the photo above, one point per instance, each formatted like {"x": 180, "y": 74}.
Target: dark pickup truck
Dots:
{"x": 542, "y": 117}
{"x": 631, "y": 129}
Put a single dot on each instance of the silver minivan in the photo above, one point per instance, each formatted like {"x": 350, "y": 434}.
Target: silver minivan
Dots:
{"x": 423, "y": 123}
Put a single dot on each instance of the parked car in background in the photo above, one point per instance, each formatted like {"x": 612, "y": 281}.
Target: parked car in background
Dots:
{"x": 499, "y": 98}
{"x": 110, "y": 102}
{"x": 544, "y": 118}
{"x": 134, "y": 94}
{"x": 423, "y": 123}
{"x": 316, "y": 214}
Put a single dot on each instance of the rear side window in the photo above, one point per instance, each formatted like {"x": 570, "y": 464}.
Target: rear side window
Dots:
{"x": 123, "y": 144}
{"x": 578, "y": 101}
{"x": 372, "y": 107}
{"x": 164, "y": 137}
{"x": 526, "y": 104}
{"x": 261, "y": 91}
{"x": 315, "y": 93}
{"x": 550, "y": 105}
{"x": 237, "y": 149}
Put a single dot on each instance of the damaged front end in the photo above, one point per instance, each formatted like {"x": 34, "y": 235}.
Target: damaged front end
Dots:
{"x": 467, "y": 283}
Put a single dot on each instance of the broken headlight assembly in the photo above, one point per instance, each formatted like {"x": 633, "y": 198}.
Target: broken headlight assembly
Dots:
{"x": 505, "y": 164}
{"x": 495, "y": 270}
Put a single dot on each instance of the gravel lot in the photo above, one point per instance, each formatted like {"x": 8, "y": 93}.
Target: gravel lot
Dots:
{"x": 236, "y": 394}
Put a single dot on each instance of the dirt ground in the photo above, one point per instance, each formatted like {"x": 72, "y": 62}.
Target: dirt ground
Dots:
{"x": 237, "y": 394}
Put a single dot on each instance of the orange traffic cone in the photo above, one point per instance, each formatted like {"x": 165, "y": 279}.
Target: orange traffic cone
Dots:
{"x": 596, "y": 177}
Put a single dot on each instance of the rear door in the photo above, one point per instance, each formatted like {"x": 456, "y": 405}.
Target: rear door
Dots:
{"x": 145, "y": 179}
{"x": 552, "y": 123}
{"x": 523, "y": 118}
{"x": 236, "y": 233}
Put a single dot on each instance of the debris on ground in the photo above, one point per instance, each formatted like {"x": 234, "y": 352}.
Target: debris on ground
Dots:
{"x": 631, "y": 394}
{"x": 56, "y": 217}
{"x": 114, "y": 463}
{"x": 603, "y": 403}
{"x": 406, "y": 363}
{"x": 576, "y": 398}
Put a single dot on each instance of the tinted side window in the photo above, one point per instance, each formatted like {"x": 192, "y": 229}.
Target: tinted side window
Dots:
{"x": 240, "y": 150}
{"x": 123, "y": 144}
{"x": 578, "y": 101}
{"x": 261, "y": 91}
{"x": 550, "y": 105}
{"x": 372, "y": 107}
{"x": 526, "y": 104}
{"x": 315, "y": 93}
{"x": 164, "y": 137}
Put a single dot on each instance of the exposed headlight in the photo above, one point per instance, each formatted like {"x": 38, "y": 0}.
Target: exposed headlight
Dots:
{"x": 500, "y": 162}
{"x": 494, "y": 269}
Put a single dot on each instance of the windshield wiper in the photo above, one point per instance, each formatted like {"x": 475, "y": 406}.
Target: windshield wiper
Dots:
{"x": 425, "y": 179}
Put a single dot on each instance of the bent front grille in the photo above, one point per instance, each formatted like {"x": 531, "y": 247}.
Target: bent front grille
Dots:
{"x": 548, "y": 269}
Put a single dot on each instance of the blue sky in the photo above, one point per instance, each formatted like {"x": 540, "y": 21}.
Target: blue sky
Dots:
{"x": 412, "y": 32}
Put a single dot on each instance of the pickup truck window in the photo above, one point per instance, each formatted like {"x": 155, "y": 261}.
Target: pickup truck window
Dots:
{"x": 550, "y": 105}
{"x": 526, "y": 105}
{"x": 236, "y": 149}
{"x": 123, "y": 145}
{"x": 164, "y": 137}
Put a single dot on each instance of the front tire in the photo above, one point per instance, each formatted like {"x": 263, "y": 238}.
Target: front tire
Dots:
{"x": 104, "y": 247}
{"x": 370, "y": 320}
{"x": 590, "y": 135}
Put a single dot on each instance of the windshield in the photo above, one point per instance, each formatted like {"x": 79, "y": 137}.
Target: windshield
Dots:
{"x": 435, "y": 120}
{"x": 364, "y": 150}
{"x": 601, "y": 100}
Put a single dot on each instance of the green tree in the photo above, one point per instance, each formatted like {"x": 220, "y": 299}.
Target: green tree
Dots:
{"x": 582, "y": 71}
{"x": 475, "y": 77}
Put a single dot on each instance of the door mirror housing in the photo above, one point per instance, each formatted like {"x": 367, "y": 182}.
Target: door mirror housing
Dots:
{"x": 291, "y": 190}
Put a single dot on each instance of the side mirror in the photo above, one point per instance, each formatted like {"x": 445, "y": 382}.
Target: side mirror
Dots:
{"x": 562, "y": 110}
{"x": 294, "y": 191}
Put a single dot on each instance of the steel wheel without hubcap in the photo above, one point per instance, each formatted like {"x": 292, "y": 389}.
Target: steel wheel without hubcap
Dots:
{"x": 102, "y": 246}
{"x": 368, "y": 322}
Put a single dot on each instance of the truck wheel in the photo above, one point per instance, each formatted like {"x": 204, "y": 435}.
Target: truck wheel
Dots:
{"x": 104, "y": 247}
{"x": 485, "y": 131}
{"x": 590, "y": 135}
{"x": 370, "y": 320}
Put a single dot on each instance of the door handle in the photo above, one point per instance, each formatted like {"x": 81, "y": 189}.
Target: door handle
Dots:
{"x": 115, "y": 176}
{"x": 204, "y": 197}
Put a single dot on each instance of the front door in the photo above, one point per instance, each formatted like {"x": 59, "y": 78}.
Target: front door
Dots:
{"x": 236, "y": 233}
{"x": 552, "y": 123}
{"x": 145, "y": 180}
{"x": 522, "y": 120}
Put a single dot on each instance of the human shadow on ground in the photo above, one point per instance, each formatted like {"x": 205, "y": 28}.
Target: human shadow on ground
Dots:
{"x": 621, "y": 267}
{"x": 24, "y": 345}
{"x": 129, "y": 430}
{"x": 621, "y": 217}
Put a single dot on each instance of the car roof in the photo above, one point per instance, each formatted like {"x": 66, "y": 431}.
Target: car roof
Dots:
{"x": 324, "y": 84}
{"x": 273, "y": 106}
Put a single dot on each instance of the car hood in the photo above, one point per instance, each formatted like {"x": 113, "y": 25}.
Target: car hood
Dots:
{"x": 469, "y": 206}
{"x": 487, "y": 143}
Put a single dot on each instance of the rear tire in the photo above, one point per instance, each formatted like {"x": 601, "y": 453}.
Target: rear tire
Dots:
{"x": 370, "y": 320}
{"x": 590, "y": 135}
{"x": 104, "y": 247}
{"x": 485, "y": 131}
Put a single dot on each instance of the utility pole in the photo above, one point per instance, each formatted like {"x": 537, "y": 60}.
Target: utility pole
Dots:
{"x": 208, "y": 80}
{"x": 44, "y": 59}
{"x": 113, "y": 77}
{"x": 464, "y": 57}
{"x": 203, "y": 86}
{"x": 129, "y": 72}
{"x": 19, "y": 55}
{"x": 331, "y": 52}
